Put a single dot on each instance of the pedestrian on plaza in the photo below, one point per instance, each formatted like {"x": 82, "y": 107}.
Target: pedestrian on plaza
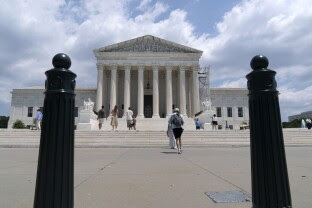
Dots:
{"x": 308, "y": 123}
{"x": 129, "y": 115}
{"x": 38, "y": 119}
{"x": 197, "y": 124}
{"x": 214, "y": 122}
{"x": 114, "y": 120}
{"x": 101, "y": 116}
{"x": 172, "y": 142}
{"x": 176, "y": 121}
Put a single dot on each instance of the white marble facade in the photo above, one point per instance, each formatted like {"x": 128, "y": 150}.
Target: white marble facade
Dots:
{"x": 151, "y": 75}
{"x": 223, "y": 98}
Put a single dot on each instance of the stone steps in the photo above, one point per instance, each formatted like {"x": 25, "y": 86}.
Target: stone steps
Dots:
{"x": 28, "y": 138}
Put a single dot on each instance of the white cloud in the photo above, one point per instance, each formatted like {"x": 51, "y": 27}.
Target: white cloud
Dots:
{"x": 143, "y": 4}
{"x": 240, "y": 83}
{"x": 31, "y": 33}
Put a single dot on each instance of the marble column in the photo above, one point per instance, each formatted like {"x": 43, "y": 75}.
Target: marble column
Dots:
{"x": 182, "y": 91}
{"x": 140, "y": 91}
{"x": 113, "y": 87}
{"x": 190, "y": 96}
{"x": 169, "y": 90}
{"x": 196, "y": 106}
{"x": 99, "y": 90}
{"x": 155, "y": 92}
{"x": 127, "y": 89}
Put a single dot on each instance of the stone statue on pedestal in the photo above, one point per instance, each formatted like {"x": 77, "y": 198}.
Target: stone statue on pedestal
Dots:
{"x": 88, "y": 105}
{"x": 207, "y": 105}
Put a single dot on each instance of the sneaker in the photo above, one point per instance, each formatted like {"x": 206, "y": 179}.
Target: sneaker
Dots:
{"x": 179, "y": 152}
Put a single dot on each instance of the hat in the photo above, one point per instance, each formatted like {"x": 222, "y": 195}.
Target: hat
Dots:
{"x": 176, "y": 110}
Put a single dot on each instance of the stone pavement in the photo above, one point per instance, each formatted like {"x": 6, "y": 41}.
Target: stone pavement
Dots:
{"x": 151, "y": 177}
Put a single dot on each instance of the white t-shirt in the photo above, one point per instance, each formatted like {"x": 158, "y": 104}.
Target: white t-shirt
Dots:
{"x": 214, "y": 118}
{"x": 129, "y": 114}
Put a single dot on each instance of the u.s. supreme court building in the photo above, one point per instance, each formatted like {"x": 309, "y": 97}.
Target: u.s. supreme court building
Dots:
{"x": 153, "y": 76}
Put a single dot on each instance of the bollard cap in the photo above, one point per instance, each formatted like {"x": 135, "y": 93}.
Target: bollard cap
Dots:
{"x": 61, "y": 60}
{"x": 259, "y": 62}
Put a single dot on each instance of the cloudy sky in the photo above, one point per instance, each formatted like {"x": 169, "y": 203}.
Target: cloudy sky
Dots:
{"x": 230, "y": 33}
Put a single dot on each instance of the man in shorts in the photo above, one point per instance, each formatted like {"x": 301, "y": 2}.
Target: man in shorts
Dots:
{"x": 176, "y": 120}
{"x": 101, "y": 116}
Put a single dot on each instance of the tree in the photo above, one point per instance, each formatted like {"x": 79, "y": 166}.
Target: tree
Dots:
{"x": 293, "y": 124}
{"x": 4, "y": 121}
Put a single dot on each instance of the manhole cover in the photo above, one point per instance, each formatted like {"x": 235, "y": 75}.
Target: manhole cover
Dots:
{"x": 228, "y": 197}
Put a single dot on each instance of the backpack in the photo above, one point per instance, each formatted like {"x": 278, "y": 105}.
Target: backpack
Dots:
{"x": 177, "y": 120}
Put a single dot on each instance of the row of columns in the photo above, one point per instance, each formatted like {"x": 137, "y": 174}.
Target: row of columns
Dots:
{"x": 169, "y": 69}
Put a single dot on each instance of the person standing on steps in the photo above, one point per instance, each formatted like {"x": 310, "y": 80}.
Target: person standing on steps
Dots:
{"x": 129, "y": 115}
{"x": 114, "y": 120}
{"x": 197, "y": 124}
{"x": 214, "y": 122}
{"x": 101, "y": 116}
{"x": 176, "y": 121}
{"x": 309, "y": 123}
{"x": 38, "y": 119}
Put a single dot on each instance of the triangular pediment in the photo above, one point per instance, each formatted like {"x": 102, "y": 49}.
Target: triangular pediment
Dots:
{"x": 148, "y": 43}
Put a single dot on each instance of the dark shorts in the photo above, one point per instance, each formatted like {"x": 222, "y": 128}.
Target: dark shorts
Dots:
{"x": 177, "y": 132}
{"x": 214, "y": 123}
{"x": 197, "y": 127}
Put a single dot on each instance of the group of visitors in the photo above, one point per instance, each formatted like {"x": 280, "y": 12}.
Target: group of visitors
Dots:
{"x": 214, "y": 122}
{"x": 131, "y": 120}
{"x": 175, "y": 129}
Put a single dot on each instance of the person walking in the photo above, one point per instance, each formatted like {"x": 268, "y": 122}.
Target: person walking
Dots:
{"x": 101, "y": 116}
{"x": 114, "y": 120}
{"x": 214, "y": 122}
{"x": 129, "y": 114}
{"x": 38, "y": 119}
{"x": 197, "y": 124}
{"x": 176, "y": 121}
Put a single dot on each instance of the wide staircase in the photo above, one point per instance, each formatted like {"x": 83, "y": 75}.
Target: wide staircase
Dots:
{"x": 100, "y": 138}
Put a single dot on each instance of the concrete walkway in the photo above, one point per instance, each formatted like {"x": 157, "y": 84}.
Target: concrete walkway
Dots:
{"x": 151, "y": 177}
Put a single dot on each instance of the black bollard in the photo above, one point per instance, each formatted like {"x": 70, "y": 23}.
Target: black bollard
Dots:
{"x": 55, "y": 172}
{"x": 269, "y": 177}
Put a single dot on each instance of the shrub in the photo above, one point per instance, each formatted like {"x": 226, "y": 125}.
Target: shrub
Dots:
{"x": 4, "y": 121}
{"x": 18, "y": 124}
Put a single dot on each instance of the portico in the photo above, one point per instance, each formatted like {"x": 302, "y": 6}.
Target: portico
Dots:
{"x": 151, "y": 75}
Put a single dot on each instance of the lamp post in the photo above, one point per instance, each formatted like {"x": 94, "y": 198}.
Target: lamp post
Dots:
{"x": 55, "y": 172}
{"x": 270, "y": 184}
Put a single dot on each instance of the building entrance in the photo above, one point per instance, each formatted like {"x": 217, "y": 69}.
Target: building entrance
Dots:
{"x": 148, "y": 106}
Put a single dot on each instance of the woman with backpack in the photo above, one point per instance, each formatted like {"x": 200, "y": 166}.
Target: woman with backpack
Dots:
{"x": 176, "y": 121}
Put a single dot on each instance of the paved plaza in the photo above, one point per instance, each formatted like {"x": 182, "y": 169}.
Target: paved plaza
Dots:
{"x": 151, "y": 177}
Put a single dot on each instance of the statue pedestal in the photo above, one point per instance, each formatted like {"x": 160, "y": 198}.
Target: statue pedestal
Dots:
{"x": 87, "y": 120}
{"x": 207, "y": 126}
{"x": 205, "y": 118}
